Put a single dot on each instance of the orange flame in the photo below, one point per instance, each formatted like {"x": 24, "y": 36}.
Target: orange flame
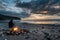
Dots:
{"x": 16, "y": 29}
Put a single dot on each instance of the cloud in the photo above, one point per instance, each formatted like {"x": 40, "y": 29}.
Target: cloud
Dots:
{"x": 41, "y": 19}
{"x": 12, "y": 10}
{"x": 2, "y": 6}
{"x": 9, "y": 5}
{"x": 41, "y": 5}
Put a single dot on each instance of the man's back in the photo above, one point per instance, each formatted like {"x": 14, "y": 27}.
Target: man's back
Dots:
{"x": 11, "y": 24}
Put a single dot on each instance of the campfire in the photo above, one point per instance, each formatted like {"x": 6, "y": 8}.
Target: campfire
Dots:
{"x": 16, "y": 29}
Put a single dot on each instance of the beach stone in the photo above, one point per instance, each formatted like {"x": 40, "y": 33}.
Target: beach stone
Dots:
{"x": 5, "y": 39}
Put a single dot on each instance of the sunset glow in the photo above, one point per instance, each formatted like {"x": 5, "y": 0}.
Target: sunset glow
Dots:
{"x": 56, "y": 7}
{"x": 44, "y": 12}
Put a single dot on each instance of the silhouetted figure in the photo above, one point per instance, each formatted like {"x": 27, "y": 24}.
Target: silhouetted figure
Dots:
{"x": 11, "y": 24}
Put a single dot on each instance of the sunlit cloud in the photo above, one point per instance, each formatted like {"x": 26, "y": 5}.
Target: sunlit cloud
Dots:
{"x": 41, "y": 17}
{"x": 44, "y": 12}
{"x": 36, "y": 19}
{"x": 56, "y": 7}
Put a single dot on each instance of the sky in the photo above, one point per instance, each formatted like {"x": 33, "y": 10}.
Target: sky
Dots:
{"x": 10, "y": 6}
{"x": 26, "y": 0}
{"x": 11, "y": 3}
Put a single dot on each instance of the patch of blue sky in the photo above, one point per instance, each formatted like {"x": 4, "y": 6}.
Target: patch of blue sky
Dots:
{"x": 8, "y": 2}
{"x": 25, "y": 0}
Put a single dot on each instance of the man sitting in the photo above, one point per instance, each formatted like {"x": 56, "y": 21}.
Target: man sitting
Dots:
{"x": 11, "y": 24}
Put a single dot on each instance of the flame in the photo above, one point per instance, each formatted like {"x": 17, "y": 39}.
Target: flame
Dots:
{"x": 16, "y": 29}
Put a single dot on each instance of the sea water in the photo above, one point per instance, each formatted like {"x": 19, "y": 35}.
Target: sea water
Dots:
{"x": 4, "y": 23}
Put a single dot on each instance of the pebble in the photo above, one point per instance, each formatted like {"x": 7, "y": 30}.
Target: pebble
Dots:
{"x": 5, "y": 39}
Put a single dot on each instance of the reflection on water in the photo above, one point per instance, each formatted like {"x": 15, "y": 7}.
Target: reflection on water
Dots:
{"x": 42, "y": 22}
{"x": 4, "y": 23}
{"x": 33, "y": 22}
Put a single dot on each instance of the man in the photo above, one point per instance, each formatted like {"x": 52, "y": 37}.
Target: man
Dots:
{"x": 11, "y": 24}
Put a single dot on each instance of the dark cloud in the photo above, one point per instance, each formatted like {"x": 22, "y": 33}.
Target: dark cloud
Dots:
{"x": 34, "y": 5}
{"x": 6, "y": 8}
{"x": 38, "y": 5}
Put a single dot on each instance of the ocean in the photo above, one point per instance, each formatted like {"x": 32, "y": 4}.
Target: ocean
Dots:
{"x": 4, "y": 23}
